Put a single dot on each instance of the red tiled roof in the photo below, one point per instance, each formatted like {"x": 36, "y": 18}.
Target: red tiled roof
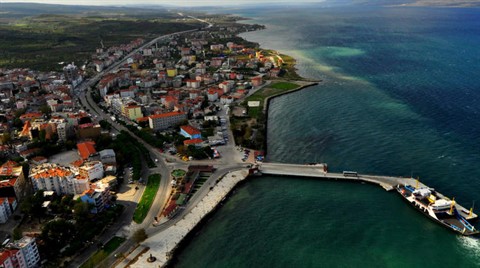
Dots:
{"x": 142, "y": 119}
{"x": 31, "y": 115}
{"x": 192, "y": 141}
{"x": 166, "y": 114}
{"x": 39, "y": 159}
{"x": 7, "y": 254}
{"x": 190, "y": 130}
{"x": 77, "y": 163}
{"x": 85, "y": 149}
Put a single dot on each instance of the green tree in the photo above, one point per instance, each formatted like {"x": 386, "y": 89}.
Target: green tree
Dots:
{"x": 17, "y": 233}
{"x": 45, "y": 109}
{"x": 55, "y": 235}
{"x": 81, "y": 210}
{"x": 32, "y": 205}
{"x": 105, "y": 124}
{"x": 19, "y": 112}
{"x": 139, "y": 235}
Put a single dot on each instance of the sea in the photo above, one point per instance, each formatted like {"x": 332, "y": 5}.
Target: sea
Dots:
{"x": 400, "y": 96}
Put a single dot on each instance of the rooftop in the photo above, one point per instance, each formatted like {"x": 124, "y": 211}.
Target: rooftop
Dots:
{"x": 85, "y": 149}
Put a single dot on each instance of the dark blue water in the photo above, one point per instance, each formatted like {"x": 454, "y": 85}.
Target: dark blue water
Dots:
{"x": 401, "y": 96}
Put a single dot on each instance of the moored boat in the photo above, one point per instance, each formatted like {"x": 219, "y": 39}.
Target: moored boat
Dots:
{"x": 439, "y": 209}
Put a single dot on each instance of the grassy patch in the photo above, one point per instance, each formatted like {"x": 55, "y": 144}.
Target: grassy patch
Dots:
{"x": 178, "y": 173}
{"x": 284, "y": 86}
{"x": 261, "y": 95}
{"x": 147, "y": 198}
{"x": 100, "y": 255}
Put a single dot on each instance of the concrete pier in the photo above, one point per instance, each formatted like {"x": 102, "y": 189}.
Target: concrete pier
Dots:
{"x": 318, "y": 171}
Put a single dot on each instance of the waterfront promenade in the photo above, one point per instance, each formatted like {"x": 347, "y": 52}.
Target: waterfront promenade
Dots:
{"x": 162, "y": 244}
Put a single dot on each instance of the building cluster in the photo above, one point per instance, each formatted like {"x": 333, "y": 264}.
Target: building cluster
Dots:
{"x": 90, "y": 178}
{"x": 105, "y": 57}
{"x": 190, "y": 76}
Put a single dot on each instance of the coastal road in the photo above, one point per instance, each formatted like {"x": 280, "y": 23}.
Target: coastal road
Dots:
{"x": 162, "y": 195}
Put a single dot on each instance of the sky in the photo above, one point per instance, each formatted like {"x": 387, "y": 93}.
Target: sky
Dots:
{"x": 158, "y": 2}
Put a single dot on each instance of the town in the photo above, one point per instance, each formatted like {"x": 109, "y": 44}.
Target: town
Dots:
{"x": 86, "y": 151}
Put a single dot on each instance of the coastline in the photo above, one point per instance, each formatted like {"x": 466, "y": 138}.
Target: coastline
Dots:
{"x": 164, "y": 245}
{"x": 266, "y": 107}
{"x": 166, "y": 251}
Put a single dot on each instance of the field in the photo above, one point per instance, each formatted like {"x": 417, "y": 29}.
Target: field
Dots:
{"x": 147, "y": 198}
{"x": 41, "y": 41}
{"x": 261, "y": 95}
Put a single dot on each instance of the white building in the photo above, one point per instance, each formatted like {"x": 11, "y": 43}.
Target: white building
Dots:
{"x": 5, "y": 210}
{"x": 166, "y": 120}
{"x": 226, "y": 99}
{"x": 91, "y": 170}
{"x": 61, "y": 180}
{"x": 62, "y": 131}
{"x": 98, "y": 196}
{"x": 212, "y": 95}
{"x": 22, "y": 253}
{"x": 107, "y": 156}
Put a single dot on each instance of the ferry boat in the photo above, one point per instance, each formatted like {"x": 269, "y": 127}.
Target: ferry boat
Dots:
{"x": 437, "y": 208}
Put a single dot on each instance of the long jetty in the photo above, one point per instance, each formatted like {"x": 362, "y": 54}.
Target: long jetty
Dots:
{"x": 319, "y": 171}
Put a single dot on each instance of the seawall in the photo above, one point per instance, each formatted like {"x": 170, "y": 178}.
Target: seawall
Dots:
{"x": 163, "y": 245}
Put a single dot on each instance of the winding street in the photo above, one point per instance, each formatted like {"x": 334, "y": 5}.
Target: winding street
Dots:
{"x": 124, "y": 225}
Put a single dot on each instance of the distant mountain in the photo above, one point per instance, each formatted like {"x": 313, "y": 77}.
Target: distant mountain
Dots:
{"x": 449, "y": 3}
{"x": 21, "y": 10}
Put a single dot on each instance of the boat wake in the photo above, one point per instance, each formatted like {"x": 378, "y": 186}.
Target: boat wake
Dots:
{"x": 471, "y": 244}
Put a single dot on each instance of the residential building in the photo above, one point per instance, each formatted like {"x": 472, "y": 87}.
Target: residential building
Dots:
{"x": 12, "y": 180}
{"x": 5, "y": 210}
{"x": 190, "y": 132}
{"x": 91, "y": 170}
{"x": 132, "y": 111}
{"x": 226, "y": 99}
{"x": 11, "y": 258}
{"x": 172, "y": 72}
{"x": 22, "y": 253}
{"x": 166, "y": 120}
{"x": 60, "y": 179}
{"x": 212, "y": 95}
{"x": 98, "y": 196}
{"x": 62, "y": 131}
{"x": 195, "y": 142}
{"x": 86, "y": 149}
{"x": 256, "y": 81}
{"x": 89, "y": 131}
{"x": 107, "y": 156}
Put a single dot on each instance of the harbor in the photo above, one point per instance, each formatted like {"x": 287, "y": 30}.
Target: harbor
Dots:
{"x": 157, "y": 250}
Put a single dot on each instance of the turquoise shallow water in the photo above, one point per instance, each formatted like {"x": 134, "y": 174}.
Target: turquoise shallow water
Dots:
{"x": 401, "y": 96}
